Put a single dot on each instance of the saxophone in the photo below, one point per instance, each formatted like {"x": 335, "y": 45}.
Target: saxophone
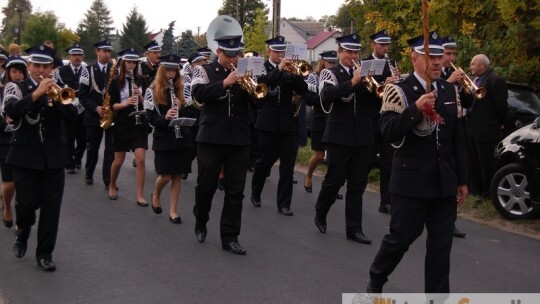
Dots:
{"x": 107, "y": 119}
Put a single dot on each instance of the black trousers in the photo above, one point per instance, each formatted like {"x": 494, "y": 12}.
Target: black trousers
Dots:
{"x": 273, "y": 146}
{"x": 409, "y": 215}
{"x": 386, "y": 153}
{"x": 234, "y": 160}
{"x": 349, "y": 164}
{"x": 94, "y": 137}
{"x": 39, "y": 189}
{"x": 76, "y": 142}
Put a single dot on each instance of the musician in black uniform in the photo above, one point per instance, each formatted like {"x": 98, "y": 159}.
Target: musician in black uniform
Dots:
{"x": 318, "y": 117}
{"x": 429, "y": 169}
{"x": 223, "y": 140}
{"x": 348, "y": 137}
{"x": 148, "y": 68}
{"x": 277, "y": 126}
{"x": 93, "y": 103}
{"x": 130, "y": 124}
{"x": 452, "y": 76}
{"x": 75, "y": 76}
{"x": 380, "y": 42}
{"x": 164, "y": 101}
{"x": 38, "y": 154}
{"x": 16, "y": 71}
{"x": 192, "y": 109}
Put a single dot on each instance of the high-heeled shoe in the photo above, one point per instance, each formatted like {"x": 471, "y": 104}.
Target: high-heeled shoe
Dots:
{"x": 7, "y": 223}
{"x": 176, "y": 220}
{"x": 309, "y": 188}
{"x": 112, "y": 196}
{"x": 157, "y": 210}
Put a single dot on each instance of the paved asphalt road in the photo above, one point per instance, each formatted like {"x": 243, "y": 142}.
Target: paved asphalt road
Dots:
{"x": 116, "y": 252}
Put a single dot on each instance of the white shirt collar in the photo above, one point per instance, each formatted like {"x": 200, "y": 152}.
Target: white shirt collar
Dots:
{"x": 423, "y": 82}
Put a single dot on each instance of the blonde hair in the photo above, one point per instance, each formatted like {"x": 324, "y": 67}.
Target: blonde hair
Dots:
{"x": 14, "y": 49}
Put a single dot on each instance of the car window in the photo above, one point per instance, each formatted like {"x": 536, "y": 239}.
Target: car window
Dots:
{"x": 524, "y": 101}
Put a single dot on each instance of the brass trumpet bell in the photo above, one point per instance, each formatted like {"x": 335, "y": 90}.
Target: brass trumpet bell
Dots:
{"x": 468, "y": 85}
{"x": 64, "y": 96}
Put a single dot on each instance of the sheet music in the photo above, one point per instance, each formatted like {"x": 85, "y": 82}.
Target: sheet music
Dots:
{"x": 253, "y": 65}
{"x": 377, "y": 66}
{"x": 298, "y": 51}
{"x": 366, "y": 65}
{"x": 182, "y": 121}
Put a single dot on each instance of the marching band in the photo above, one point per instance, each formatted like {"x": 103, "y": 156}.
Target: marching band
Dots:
{"x": 132, "y": 99}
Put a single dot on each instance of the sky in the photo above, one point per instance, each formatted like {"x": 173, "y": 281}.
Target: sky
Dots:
{"x": 159, "y": 13}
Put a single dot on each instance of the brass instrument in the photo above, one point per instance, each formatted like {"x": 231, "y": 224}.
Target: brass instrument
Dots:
{"x": 136, "y": 111}
{"x": 468, "y": 85}
{"x": 107, "y": 119}
{"x": 64, "y": 95}
{"x": 371, "y": 82}
{"x": 298, "y": 67}
{"x": 257, "y": 90}
{"x": 393, "y": 69}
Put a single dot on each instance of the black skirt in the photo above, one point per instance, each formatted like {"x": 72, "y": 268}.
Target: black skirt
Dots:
{"x": 123, "y": 144}
{"x": 316, "y": 141}
{"x": 174, "y": 162}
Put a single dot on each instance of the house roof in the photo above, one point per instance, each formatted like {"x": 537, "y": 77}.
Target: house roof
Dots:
{"x": 307, "y": 28}
{"x": 319, "y": 38}
{"x": 154, "y": 35}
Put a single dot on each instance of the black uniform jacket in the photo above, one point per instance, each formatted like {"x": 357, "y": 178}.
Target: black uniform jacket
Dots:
{"x": 486, "y": 116}
{"x": 94, "y": 97}
{"x": 277, "y": 113}
{"x": 124, "y": 124}
{"x": 349, "y": 122}
{"x": 318, "y": 116}
{"x": 224, "y": 116}
{"x": 428, "y": 166}
{"x": 164, "y": 136}
{"x": 149, "y": 71}
{"x": 79, "y": 83}
{"x": 43, "y": 144}
{"x": 374, "y": 104}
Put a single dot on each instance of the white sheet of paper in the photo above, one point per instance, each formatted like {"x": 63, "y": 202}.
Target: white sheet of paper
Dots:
{"x": 256, "y": 65}
{"x": 299, "y": 51}
{"x": 377, "y": 66}
{"x": 242, "y": 66}
{"x": 182, "y": 121}
{"x": 290, "y": 51}
{"x": 366, "y": 65}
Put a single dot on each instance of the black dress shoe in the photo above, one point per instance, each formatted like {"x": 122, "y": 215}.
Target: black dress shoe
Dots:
{"x": 358, "y": 237}
{"x": 157, "y": 210}
{"x": 294, "y": 181}
{"x": 321, "y": 225}
{"x": 339, "y": 196}
{"x": 256, "y": 201}
{"x": 78, "y": 166}
{"x": 184, "y": 176}
{"x": 309, "y": 188}
{"x": 233, "y": 247}
{"x": 221, "y": 184}
{"x": 19, "y": 248}
{"x": 46, "y": 264}
{"x": 285, "y": 211}
{"x": 457, "y": 233}
{"x": 176, "y": 220}
{"x": 384, "y": 208}
{"x": 71, "y": 171}
{"x": 89, "y": 181}
{"x": 200, "y": 233}
{"x": 373, "y": 288}
{"x": 113, "y": 197}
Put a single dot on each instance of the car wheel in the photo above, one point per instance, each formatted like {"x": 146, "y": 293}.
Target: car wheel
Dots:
{"x": 510, "y": 194}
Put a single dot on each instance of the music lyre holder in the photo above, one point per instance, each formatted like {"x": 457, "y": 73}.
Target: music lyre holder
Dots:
{"x": 137, "y": 115}
{"x": 179, "y": 122}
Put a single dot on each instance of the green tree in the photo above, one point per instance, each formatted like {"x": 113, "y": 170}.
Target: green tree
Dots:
{"x": 168, "y": 46}
{"x": 15, "y": 13}
{"x": 94, "y": 27}
{"x": 44, "y": 26}
{"x": 134, "y": 32}
{"x": 186, "y": 45}
{"x": 254, "y": 36}
{"x": 244, "y": 11}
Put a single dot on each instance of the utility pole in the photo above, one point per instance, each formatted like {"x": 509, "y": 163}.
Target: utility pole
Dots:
{"x": 199, "y": 36}
{"x": 276, "y": 16}
{"x": 19, "y": 10}
{"x": 237, "y": 10}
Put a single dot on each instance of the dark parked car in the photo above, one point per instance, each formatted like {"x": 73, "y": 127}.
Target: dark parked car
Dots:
{"x": 515, "y": 187}
{"x": 523, "y": 107}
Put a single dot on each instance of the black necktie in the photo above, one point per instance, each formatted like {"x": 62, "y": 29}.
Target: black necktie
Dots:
{"x": 76, "y": 71}
{"x": 104, "y": 70}
{"x": 130, "y": 88}
{"x": 351, "y": 71}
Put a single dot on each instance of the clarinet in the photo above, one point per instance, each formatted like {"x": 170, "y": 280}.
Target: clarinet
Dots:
{"x": 393, "y": 69}
{"x": 177, "y": 128}
{"x": 136, "y": 111}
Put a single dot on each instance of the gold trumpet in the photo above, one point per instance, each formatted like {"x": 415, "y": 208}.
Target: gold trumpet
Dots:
{"x": 257, "y": 90}
{"x": 298, "y": 67}
{"x": 64, "y": 95}
{"x": 468, "y": 85}
{"x": 371, "y": 83}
